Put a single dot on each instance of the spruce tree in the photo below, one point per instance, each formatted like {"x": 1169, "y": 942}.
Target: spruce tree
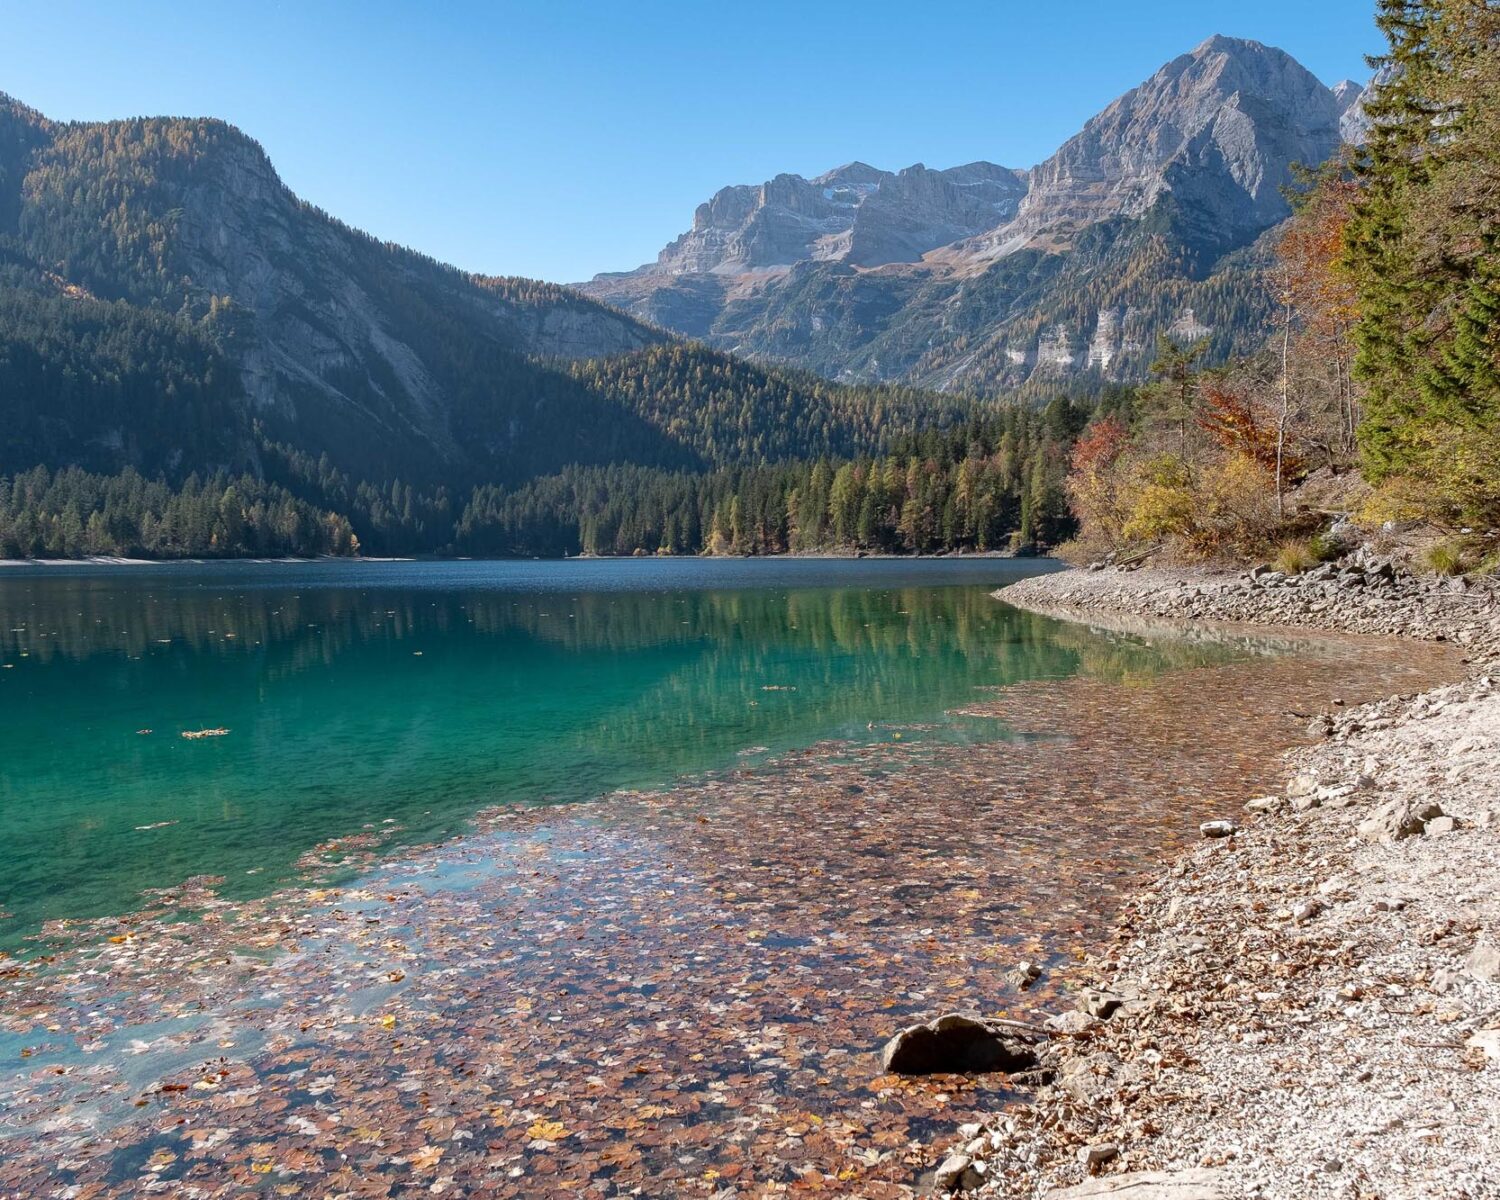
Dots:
{"x": 1421, "y": 246}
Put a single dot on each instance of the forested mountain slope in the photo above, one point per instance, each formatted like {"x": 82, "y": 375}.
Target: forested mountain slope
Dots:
{"x": 167, "y": 304}
{"x": 170, "y": 311}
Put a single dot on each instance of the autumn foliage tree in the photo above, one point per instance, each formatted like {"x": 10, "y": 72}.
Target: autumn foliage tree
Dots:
{"x": 1325, "y": 302}
{"x": 1238, "y": 422}
{"x": 1094, "y": 485}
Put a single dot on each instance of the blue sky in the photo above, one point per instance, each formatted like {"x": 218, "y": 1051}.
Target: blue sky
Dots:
{"x": 556, "y": 139}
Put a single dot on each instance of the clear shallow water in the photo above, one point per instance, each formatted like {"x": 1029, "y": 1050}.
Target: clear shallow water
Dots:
{"x": 662, "y": 992}
{"x": 395, "y": 699}
{"x": 400, "y": 698}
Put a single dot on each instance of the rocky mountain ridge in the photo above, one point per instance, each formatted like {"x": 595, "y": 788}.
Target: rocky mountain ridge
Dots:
{"x": 854, "y": 213}
{"x": 1150, "y": 220}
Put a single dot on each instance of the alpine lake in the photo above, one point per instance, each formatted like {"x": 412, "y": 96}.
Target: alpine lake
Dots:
{"x": 588, "y": 878}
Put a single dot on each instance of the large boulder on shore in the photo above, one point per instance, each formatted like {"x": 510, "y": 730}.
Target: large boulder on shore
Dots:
{"x": 955, "y": 1044}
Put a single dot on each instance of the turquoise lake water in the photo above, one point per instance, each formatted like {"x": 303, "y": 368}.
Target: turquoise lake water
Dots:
{"x": 400, "y": 698}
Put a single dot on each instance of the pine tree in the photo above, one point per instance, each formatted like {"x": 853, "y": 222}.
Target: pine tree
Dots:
{"x": 1422, "y": 247}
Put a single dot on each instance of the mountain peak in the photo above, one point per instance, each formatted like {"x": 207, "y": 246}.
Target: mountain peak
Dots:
{"x": 1218, "y": 126}
{"x": 856, "y": 214}
{"x": 1217, "y": 43}
{"x": 850, "y": 174}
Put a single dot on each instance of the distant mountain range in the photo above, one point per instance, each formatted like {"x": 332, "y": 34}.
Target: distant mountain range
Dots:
{"x": 1152, "y": 219}
{"x": 167, "y": 304}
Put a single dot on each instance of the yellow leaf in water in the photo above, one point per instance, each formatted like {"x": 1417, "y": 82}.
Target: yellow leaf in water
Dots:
{"x": 426, "y": 1158}
{"x": 388, "y": 1021}
{"x": 547, "y": 1131}
{"x": 263, "y": 1168}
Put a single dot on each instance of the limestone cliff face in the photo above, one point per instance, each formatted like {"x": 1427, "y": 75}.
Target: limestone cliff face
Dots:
{"x": 920, "y": 210}
{"x": 1145, "y": 222}
{"x": 853, "y": 213}
{"x": 1219, "y": 126}
{"x": 1349, "y": 97}
{"x": 1354, "y": 122}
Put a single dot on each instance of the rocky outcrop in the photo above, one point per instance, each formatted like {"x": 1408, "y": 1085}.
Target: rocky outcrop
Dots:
{"x": 1354, "y": 122}
{"x": 1349, "y": 97}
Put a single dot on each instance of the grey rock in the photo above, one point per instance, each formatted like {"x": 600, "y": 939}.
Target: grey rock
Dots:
{"x": 1198, "y": 1183}
{"x": 951, "y": 1173}
{"x": 1089, "y": 1079}
{"x": 1484, "y": 962}
{"x": 1098, "y": 1154}
{"x": 1098, "y": 1003}
{"x": 1399, "y": 819}
{"x": 1442, "y": 980}
{"x": 1024, "y": 976}
{"x": 1218, "y": 829}
{"x": 1074, "y": 1022}
{"x": 1307, "y": 910}
{"x": 957, "y": 1043}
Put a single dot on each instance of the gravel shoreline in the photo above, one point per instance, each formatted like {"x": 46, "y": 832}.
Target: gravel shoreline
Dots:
{"x": 1310, "y": 1006}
